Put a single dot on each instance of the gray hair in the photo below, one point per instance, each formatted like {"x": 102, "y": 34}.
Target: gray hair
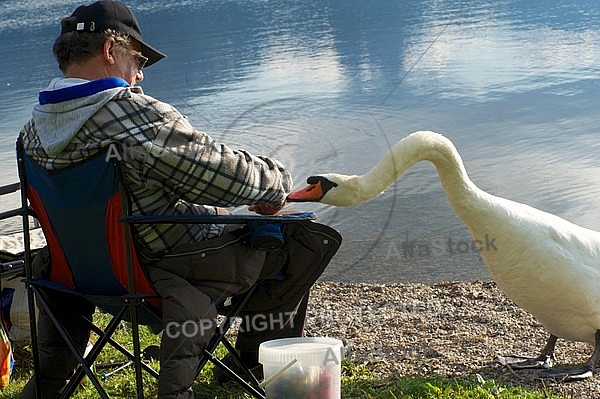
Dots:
{"x": 78, "y": 47}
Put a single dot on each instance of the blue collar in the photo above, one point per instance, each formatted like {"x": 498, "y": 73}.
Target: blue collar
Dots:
{"x": 79, "y": 91}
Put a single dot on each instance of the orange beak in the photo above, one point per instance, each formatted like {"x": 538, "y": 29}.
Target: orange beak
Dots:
{"x": 311, "y": 193}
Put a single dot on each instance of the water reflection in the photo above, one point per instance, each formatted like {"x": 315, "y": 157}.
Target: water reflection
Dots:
{"x": 501, "y": 49}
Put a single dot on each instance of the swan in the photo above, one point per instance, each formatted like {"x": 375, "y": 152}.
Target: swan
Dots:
{"x": 543, "y": 263}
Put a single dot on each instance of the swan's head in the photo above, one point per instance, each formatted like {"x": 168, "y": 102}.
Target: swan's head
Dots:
{"x": 318, "y": 187}
{"x": 331, "y": 189}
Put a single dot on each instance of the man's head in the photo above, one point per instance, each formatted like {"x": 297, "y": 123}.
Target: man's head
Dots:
{"x": 85, "y": 33}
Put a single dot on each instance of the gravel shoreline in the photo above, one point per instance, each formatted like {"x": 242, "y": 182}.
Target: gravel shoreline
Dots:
{"x": 447, "y": 329}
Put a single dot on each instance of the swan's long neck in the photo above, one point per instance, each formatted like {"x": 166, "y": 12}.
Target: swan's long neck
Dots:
{"x": 423, "y": 146}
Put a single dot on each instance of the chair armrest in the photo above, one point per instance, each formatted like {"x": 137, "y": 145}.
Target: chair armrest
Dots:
{"x": 219, "y": 219}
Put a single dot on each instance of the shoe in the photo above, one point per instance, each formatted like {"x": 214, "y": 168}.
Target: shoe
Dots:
{"x": 223, "y": 378}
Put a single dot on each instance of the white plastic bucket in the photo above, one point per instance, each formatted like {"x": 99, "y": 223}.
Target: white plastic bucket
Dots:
{"x": 298, "y": 368}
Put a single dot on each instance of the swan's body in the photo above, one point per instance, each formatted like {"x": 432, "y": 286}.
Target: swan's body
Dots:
{"x": 545, "y": 264}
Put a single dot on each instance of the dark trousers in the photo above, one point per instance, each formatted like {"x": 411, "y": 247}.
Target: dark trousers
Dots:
{"x": 194, "y": 281}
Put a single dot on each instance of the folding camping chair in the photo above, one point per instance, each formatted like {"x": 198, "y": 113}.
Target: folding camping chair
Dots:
{"x": 85, "y": 217}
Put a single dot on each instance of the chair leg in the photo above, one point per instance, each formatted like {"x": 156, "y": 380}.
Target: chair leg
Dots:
{"x": 123, "y": 350}
{"x": 225, "y": 325}
{"x": 106, "y": 337}
{"x": 34, "y": 341}
{"x": 219, "y": 338}
{"x": 27, "y": 260}
{"x": 238, "y": 359}
{"x": 257, "y": 393}
{"x": 137, "y": 353}
{"x": 84, "y": 367}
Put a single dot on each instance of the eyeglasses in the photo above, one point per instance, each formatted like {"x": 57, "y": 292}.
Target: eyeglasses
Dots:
{"x": 139, "y": 58}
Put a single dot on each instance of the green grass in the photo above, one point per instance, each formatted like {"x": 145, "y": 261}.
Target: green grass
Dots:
{"x": 360, "y": 382}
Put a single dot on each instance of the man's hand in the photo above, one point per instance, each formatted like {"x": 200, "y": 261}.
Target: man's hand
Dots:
{"x": 266, "y": 209}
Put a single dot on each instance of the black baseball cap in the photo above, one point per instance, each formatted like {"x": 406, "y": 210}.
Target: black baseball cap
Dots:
{"x": 104, "y": 15}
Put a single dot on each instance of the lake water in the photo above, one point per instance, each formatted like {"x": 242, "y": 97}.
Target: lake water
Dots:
{"x": 329, "y": 85}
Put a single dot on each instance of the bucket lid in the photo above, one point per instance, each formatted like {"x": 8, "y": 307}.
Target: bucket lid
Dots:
{"x": 313, "y": 351}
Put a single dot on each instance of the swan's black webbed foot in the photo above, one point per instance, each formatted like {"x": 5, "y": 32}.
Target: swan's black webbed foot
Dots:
{"x": 544, "y": 361}
{"x": 520, "y": 362}
{"x": 568, "y": 373}
{"x": 572, "y": 373}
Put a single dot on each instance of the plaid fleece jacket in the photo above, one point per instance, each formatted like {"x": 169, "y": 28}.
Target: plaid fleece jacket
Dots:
{"x": 169, "y": 167}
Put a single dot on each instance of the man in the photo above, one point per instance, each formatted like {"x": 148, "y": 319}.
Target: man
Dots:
{"x": 178, "y": 170}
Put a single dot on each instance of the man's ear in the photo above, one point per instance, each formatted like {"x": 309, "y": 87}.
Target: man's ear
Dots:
{"x": 108, "y": 51}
